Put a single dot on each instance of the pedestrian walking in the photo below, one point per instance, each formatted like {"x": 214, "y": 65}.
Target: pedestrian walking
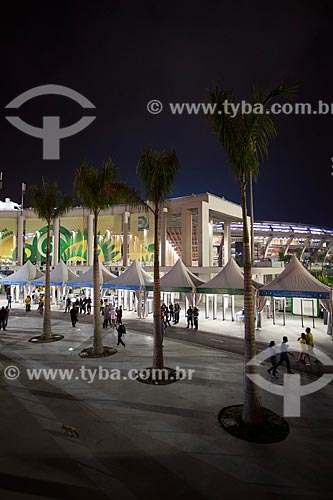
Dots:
{"x": 284, "y": 355}
{"x": 189, "y": 314}
{"x": 73, "y": 314}
{"x": 303, "y": 355}
{"x": 121, "y": 331}
{"x": 272, "y": 358}
{"x": 2, "y": 318}
{"x": 167, "y": 317}
{"x": 6, "y": 316}
{"x": 195, "y": 318}
{"x": 310, "y": 344}
{"x": 40, "y": 307}
{"x": 9, "y": 301}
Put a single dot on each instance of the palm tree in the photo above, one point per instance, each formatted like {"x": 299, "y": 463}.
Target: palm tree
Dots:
{"x": 157, "y": 171}
{"x": 49, "y": 204}
{"x": 98, "y": 190}
{"x": 245, "y": 139}
{"x": 321, "y": 257}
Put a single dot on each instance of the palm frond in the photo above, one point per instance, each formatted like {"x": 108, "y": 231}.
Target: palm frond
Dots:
{"x": 48, "y": 202}
{"x": 157, "y": 171}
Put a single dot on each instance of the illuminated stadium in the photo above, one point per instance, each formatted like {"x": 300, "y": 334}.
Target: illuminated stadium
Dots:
{"x": 204, "y": 230}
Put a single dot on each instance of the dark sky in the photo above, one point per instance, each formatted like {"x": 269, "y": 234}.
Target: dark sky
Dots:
{"x": 120, "y": 55}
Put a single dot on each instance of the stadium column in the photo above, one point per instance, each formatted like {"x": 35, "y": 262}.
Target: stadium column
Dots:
{"x": 204, "y": 236}
{"x": 125, "y": 238}
{"x": 163, "y": 235}
{"x": 186, "y": 236}
{"x": 20, "y": 242}
{"x": 226, "y": 243}
{"x": 90, "y": 239}
{"x": 55, "y": 250}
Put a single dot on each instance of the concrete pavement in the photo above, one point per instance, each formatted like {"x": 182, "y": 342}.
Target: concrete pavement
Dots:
{"x": 140, "y": 441}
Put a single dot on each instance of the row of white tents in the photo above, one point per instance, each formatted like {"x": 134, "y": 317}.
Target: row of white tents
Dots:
{"x": 294, "y": 281}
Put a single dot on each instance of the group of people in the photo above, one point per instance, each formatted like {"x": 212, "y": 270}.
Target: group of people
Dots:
{"x": 306, "y": 346}
{"x": 82, "y": 305}
{"x": 170, "y": 314}
{"x": 111, "y": 316}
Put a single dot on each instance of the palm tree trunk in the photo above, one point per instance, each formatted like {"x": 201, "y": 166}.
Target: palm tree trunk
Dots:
{"x": 47, "y": 333}
{"x": 158, "y": 349}
{"x": 252, "y": 412}
{"x": 98, "y": 336}
{"x": 252, "y": 218}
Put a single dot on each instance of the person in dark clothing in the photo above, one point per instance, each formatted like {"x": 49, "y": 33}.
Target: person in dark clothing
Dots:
{"x": 68, "y": 305}
{"x": 9, "y": 299}
{"x": 119, "y": 313}
{"x": 177, "y": 309}
{"x": 2, "y": 318}
{"x": 73, "y": 314}
{"x": 88, "y": 305}
{"x": 121, "y": 331}
{"x": 189, "y": 314}
{"x": 6, "y": 316}
{"x": 172, "y": 312}
{"x": 196, "y": 318}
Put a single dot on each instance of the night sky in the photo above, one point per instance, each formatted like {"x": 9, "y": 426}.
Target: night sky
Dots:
{"x": 120, "y": 55}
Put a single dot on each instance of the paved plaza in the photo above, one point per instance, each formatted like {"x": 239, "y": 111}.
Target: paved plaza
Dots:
{"x": 139, "y": 441}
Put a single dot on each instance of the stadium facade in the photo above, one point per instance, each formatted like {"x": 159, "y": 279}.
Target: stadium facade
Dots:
{"x": 204, "y": 230}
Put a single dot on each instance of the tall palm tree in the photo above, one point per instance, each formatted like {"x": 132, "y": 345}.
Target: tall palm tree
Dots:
{"x": 49, "y": 204}
{"x": 98, "y": 190}
{"x": 245, "y": 139}
{"x": 157, "y": 171}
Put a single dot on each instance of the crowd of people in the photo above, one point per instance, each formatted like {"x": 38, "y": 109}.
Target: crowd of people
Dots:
{"x": 170, "y": 316}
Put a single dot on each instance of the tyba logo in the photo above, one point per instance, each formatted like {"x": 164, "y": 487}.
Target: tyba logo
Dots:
{"x": 51, "y": 133}
{"x": 291, "y": 390}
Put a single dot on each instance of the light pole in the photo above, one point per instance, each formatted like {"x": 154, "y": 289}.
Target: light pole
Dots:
{"x": 24, "y": 188}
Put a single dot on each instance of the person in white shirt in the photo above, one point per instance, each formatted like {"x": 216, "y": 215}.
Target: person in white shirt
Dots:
{"x": 272, "y": 357}
{"x": 284, "y": 355}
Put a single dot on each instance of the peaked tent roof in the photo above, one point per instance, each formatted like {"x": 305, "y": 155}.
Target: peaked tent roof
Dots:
{"x": 24, "y": 275}
{"x": 179, "y": 279}
{"x": 296, "y": 281}
{"x": 132, "y": 279}
{"x": 229, "y": 280}
{"x": 87, "y": 279}
{"x": 58, "y": 276}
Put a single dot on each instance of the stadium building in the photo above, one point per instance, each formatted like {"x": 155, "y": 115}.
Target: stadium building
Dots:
{"x": 204, "y": 230}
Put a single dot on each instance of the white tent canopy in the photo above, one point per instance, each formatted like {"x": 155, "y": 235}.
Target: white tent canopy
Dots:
{"x": 87, "y": 279}
{"x": 296, "y": 281}
{"x": 58, "y": 276}
{"x": 134, "y": 278}
{"x": 23, "y": 276}
{"x": 180, "y": 279}
{"x": 229, "y": 280}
